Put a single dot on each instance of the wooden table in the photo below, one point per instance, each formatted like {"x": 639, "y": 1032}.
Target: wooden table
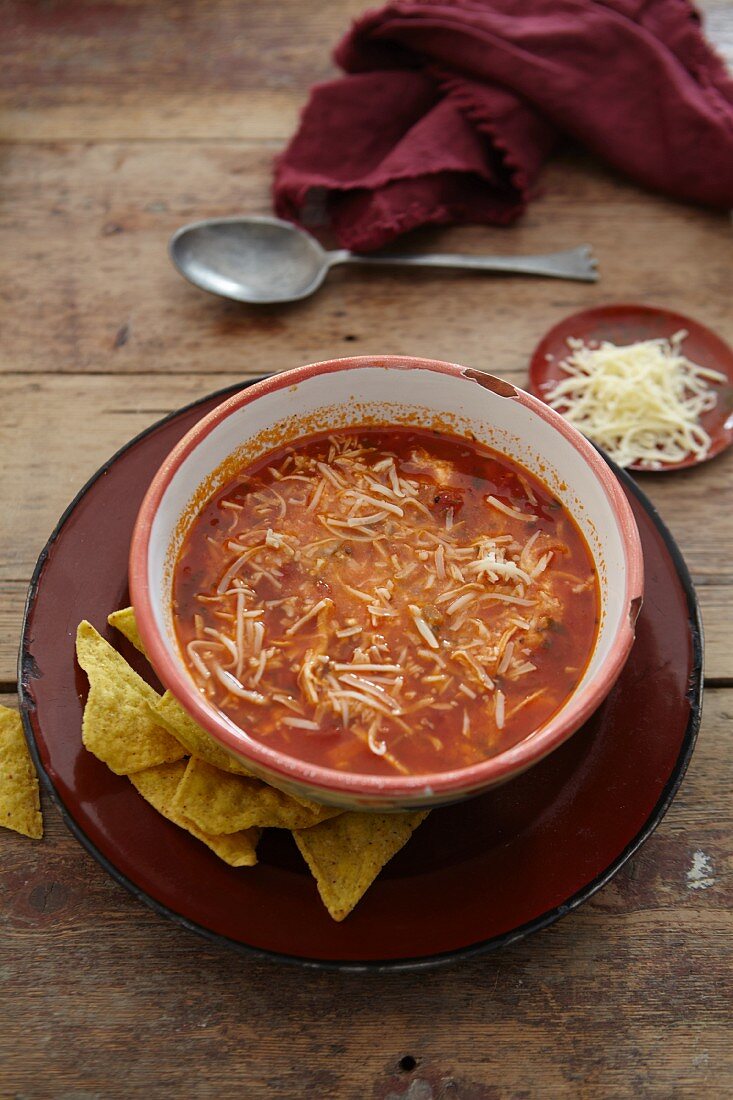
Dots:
{"x": 120, "y": 121}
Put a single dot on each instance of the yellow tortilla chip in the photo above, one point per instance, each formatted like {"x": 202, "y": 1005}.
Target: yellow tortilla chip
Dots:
{"x": 118, "y": 726}
{"x": 20, "y": 804}
{"x": 345, "y": 855}
{"x": 158, "y": 786}
{"x": 170, "y": 714}
{"x": 124, "y": 621}
{"x": 219, "y": 802}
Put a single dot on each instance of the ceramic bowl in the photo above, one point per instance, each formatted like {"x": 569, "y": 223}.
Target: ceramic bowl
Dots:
{"x": 382, "y": 390}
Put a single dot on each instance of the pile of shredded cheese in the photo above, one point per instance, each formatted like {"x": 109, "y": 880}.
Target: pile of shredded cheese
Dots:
{"x": 641, "y": 402}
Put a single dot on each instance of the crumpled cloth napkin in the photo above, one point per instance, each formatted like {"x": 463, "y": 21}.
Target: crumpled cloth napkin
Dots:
{"x": 450, "y": 107}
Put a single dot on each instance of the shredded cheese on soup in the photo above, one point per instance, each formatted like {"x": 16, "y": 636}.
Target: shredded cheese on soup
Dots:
{"x": 386, "y": 600}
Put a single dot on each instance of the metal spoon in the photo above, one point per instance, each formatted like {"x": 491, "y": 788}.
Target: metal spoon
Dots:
{"x": 265, "y": 260}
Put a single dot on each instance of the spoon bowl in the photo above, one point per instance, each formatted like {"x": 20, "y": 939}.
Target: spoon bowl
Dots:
{"x": 266, "y": 260}
{"x": 259, "y": 260}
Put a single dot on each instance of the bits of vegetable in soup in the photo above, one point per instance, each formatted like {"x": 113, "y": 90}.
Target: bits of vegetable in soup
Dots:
{"x": 386, "y": 601}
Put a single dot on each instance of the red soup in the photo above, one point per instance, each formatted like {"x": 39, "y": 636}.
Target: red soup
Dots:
{"x": 386, "y": 600}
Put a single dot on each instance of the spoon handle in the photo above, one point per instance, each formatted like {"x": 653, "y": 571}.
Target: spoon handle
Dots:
{"x": 575, "y": 263}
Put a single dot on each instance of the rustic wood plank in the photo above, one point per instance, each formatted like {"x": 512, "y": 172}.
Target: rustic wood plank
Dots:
{"x": 222, "y": 115}
{"x": 89, "y": 287}
{"x": 627, "y": 997}
{"x": 716, "y": 601}
{"x": 130, "y": 69}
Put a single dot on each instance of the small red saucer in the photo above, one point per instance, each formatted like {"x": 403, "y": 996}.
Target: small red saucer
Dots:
{"x": 626, "y": 324}
{"x": 474, "y": 877}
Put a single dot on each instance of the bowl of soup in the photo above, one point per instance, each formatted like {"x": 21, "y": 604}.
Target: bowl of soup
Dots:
{"x": 386, "y": 582}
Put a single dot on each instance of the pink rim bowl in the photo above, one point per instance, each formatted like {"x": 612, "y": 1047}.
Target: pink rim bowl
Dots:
{"x": 388, "y": 389}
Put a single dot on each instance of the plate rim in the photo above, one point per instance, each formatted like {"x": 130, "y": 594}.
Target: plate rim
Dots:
{"x": 420, "y": 962}
{"x": 639, "y": 307}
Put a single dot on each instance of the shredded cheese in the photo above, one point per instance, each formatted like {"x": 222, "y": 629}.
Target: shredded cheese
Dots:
{"x": 349, "y": 640}
{"x": 641, "y": 402}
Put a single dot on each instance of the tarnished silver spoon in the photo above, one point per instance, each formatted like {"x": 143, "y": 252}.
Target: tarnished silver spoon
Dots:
{"x": 264, "y": 260}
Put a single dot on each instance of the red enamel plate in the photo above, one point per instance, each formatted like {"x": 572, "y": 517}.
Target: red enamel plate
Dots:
{"x": 627, "y": 324}
{"x": 475, "y": 876}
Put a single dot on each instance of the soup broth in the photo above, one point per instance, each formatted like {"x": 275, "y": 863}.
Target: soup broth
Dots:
{"x": 386, "y": 601}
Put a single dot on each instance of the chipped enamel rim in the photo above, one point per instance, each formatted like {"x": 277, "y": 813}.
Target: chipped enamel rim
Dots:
{"x": 149, "y": 593}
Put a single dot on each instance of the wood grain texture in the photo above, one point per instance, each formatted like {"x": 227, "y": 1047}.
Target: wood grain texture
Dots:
{"x": 119, "y": 120}
{"x": 89, "y": 286}
{"x": 128, "y": 69}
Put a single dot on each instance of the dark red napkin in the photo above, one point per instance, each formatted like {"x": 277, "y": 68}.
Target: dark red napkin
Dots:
{"x": 450, "y": 109}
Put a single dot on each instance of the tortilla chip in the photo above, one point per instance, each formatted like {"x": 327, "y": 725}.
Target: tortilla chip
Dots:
{"x": 124, "y": 621}
{"x": 158, "y": 786}
{"x": 219, "y": 802}
{"x": 345, "y": 855}
{"x": 118, "y": 727}
{"x": 170, "y": 714}
{"x": 20, "y": 804}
